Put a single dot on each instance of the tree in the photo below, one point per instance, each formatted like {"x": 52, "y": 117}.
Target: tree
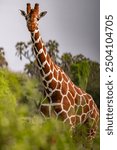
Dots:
{"x": 93, "y": 86}
{"x": 66, "y": 61}
{"x": 30, "y": 69}
{"x": 3, "y": 62}
{"x": 52, "y": 49}
{"x": 80, "y": 73}
{"x": 90, "y": 82}
{"x": 25, "y": 50}
{"x": 78, "y": 58}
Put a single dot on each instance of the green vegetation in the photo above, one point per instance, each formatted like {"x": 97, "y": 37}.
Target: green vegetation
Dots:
{"x": 21, "y": 126}
{"x": 80, "y": 73}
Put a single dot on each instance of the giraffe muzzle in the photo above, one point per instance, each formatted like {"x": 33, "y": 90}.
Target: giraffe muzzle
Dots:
{"x": 32, "y": 27}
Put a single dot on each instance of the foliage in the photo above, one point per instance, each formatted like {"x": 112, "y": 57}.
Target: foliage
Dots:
{"x": 52, "y": 49}
{"x": 24, "y": 89}
{"x": 80, "y": 138}
{"x": 23, "y": 50}
{"x": 66, "y": 61}
{"x": 17, "y": 132}
{"x": 6, "y": 95}
{"x": 80, "y": 73}
{"x": 22, "y": 128}
{"x": 93, "y": 86}
{"x": 79, "y": 58}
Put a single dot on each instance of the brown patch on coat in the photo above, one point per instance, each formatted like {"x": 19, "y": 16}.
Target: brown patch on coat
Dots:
{"x": 71, "y": 89}
{"x": 56, "y": 96}
{"x": 41, "y": 57}
{"x": 52, "y": 84}
{"x": 66, "y": 103}
{"x": 64, "y": 88}
{"x": 85, "y": 108}
{"x": 49, "y": 77}
{"x": 39, "y": 45}
{"x": 46, "y": 68}
{"x": 36, "y": 36}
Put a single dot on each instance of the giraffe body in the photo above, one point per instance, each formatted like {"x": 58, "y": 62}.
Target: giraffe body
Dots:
{"x": 65, "y": 100}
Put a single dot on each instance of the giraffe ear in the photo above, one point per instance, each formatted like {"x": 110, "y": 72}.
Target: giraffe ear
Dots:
{"x": 42, "y": 14}
{"x": 23, "y": 13}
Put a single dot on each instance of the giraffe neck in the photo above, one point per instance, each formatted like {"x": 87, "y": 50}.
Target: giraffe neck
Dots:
{"x": 45, "y": 63}
{"x": 40, "y": 51}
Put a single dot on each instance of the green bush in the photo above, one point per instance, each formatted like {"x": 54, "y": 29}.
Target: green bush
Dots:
{"x": 21, "y": 128}
{"x": 80, "y": 73}
{"x": 18, "y": 131}
{"x": 7, "y": 99}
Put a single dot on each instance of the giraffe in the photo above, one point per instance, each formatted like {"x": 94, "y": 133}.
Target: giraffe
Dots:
{"x": 66, "y": 101}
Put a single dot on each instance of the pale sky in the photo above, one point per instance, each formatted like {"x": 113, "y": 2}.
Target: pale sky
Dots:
{"x": 74, "y": 24}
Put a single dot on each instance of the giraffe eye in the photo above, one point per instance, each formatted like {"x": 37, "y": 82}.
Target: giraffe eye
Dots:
{"x": 38, "y": 19}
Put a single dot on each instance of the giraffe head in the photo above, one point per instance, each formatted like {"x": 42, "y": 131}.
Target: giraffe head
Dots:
{"x": 32, "y": 16}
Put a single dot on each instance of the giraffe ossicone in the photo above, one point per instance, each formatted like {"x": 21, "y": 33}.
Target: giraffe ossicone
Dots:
{"x": 65, "y": 100}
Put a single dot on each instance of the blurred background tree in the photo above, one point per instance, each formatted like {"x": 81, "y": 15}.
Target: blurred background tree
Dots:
{"x": 80, "y": 73}
{"x": 25, "y": 50}
{"x": 66, "y": 61}
{"x": 3, "y": 62}
{"x": 93, "y": 85}
{"x": 53, "y": 51}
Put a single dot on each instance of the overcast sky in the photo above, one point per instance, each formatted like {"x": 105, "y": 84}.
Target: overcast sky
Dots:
{"x": 74, "y": 24}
